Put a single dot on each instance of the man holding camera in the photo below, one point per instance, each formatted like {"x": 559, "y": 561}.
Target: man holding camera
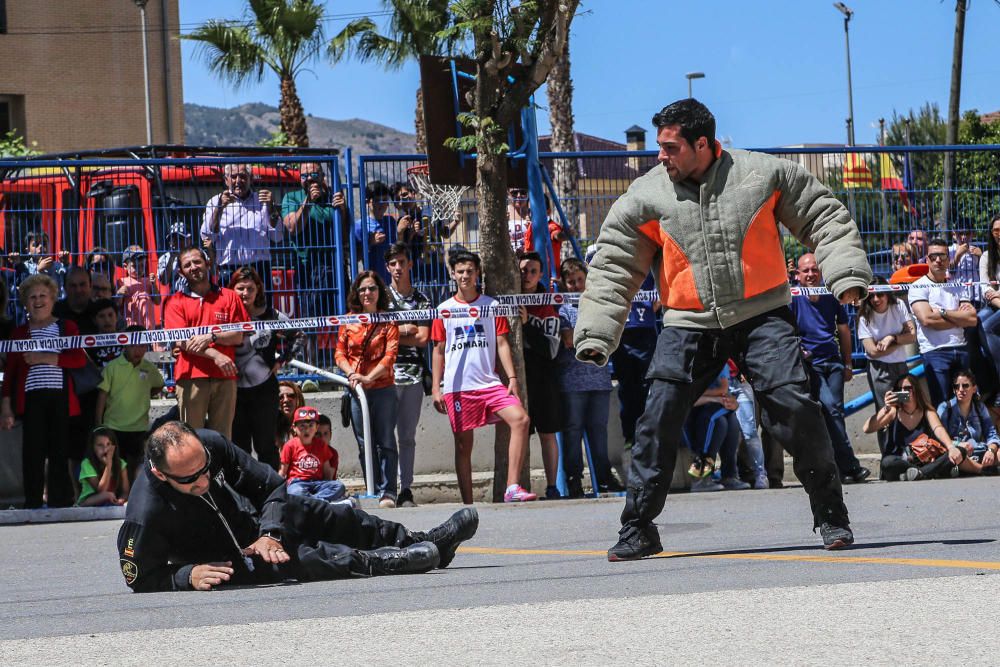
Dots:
{"x": 241, "y": 224}
{"x": 308, "y": 215}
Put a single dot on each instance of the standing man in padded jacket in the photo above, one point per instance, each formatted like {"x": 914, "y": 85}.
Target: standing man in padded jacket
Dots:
{"x": 203, "y": 513}
{"x": 708, "y": 219}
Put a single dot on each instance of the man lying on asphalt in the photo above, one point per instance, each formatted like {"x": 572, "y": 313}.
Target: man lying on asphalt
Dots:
{"x": 204, "y": 513}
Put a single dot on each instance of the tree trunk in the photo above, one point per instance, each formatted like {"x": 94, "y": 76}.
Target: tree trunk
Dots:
{"x": 954, "y": 97}
{"x": 500, "y": 272}
{"x": 420, "y": 142}
{"x": 565, "y": 175}
{"x": 293, "y": 118}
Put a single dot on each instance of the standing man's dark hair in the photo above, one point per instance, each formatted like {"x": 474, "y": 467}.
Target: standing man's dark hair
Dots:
{"x": 693, "y": 118}
{"x": 377, "y": 190}
{"x": 398, "y": 249}
{"x": 460, "y": 256}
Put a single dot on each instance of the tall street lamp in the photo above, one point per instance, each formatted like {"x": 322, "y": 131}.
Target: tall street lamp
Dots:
{"x": 848, "y": 13}
{"x": 693, "y": 75}
{"x": 141, "y": 4}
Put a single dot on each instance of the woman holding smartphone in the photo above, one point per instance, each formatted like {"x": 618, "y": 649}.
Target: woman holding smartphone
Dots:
{"x": 906, "y": 417}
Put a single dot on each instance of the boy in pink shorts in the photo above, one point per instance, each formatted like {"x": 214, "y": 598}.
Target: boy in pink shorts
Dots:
{"x": 465, "y": 354}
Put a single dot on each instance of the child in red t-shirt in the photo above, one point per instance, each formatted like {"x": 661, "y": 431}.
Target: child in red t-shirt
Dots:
{"x": 308, "y": 463}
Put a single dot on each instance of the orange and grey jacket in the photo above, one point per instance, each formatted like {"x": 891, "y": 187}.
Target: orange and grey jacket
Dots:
{"x": 717, "y": 249}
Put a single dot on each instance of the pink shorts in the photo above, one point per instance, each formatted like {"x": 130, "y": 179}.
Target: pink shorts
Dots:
{"x": 478, "y": 407}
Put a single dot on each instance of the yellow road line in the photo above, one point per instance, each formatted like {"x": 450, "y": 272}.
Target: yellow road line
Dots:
{"x": 851, "y": 560}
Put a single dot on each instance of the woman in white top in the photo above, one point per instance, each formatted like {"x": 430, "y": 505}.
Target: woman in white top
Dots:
{"x": 885, "y": 327}
{"x": 989, "y": 272}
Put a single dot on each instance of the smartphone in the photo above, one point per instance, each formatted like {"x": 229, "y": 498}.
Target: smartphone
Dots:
{"x": 901, "y": 396}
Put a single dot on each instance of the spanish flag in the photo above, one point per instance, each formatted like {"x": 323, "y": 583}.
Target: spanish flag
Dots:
{"x": 856, "y": 172}
{"x": 891, "y": 180}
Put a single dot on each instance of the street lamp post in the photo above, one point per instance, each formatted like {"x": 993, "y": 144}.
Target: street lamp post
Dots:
{"x": 848, "y": 13}
{"x": 693, "y": 75}
{"x": 141, "y": 4}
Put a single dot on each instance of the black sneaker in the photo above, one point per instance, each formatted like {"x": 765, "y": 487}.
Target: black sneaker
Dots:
{"x": 462, "y": 525}
{"x": 405, "y": 499}
{"x": 635, "y": 543}
{"x": 859, "y": 476}
{"x": 414, "y": 559}
{"x": 611, "y": 486}
{"x": 836, "y": 537}
{"x": 574, "y": 488}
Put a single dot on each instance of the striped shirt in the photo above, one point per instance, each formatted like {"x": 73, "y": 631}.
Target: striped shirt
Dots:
{"x": 44, "y": 376}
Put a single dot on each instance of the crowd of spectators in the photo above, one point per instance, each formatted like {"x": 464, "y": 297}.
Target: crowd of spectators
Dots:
{"x": 85, "y": 414}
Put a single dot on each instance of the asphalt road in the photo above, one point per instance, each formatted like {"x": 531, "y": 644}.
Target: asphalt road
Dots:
{"x": 743, "y": 580}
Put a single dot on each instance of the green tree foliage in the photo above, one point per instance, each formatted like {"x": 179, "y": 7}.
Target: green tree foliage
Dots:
{"x": 281, "y": 36}
{"x": 12, "y": 144}
{"x": 977, "y": 173}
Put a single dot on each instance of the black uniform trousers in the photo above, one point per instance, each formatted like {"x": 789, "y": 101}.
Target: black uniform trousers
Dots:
{"x": 686, "y": 362}
{"x": 326, "y": 542}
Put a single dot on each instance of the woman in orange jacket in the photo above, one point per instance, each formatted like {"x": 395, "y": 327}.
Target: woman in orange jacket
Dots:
{"x": 366, "y": 354}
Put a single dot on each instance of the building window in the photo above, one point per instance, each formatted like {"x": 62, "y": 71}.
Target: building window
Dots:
{"x": 4, "y": 118}
{"x": 3, "y": 17}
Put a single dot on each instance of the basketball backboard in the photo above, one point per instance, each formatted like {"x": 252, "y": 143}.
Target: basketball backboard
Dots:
{"x": 442, "y": 104}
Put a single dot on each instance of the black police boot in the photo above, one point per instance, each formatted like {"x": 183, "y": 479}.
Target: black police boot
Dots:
{"x": 414, "y": 559}
{"x": 836, "y": 537}
{"x": 462, "y": 525}
{"x": 635, "y": 542}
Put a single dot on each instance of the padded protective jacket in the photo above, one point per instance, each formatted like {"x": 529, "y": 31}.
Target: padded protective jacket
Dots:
{"x": 717, "y": 248}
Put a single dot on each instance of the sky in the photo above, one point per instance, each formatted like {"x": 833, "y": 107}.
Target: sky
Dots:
{"x": 775, "y": 72}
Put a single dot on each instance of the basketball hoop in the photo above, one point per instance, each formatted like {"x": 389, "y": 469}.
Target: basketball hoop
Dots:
{"x": 444, "y": 199}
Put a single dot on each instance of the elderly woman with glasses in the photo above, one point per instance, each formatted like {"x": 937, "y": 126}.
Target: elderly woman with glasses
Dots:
{"x": 366, "y": 354}
{"x": 907, "y": 418}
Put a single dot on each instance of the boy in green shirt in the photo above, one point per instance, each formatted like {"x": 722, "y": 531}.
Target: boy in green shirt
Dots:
{"x": 128, "y": 383}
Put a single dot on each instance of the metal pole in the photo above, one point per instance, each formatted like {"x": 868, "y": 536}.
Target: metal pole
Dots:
{"x": 145, "y": 74}
{"x": 689, "y": 89}
{"x": 850, "y": 90}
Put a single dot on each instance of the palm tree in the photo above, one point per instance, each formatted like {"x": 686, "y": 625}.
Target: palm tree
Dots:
{"x": 282, "y": 36}
{"x": 565, "y": 176}
{"x": 416, "y": 28}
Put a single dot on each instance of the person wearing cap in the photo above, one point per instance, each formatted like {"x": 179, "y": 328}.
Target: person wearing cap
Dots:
{"x": 203, "y": 513}
{"x": 308, "y": 462}
{"x": 138, "y": 290}
{"x": 167, "y": 267}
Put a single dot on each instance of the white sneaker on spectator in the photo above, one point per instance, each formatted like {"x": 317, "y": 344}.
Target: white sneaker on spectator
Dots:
{"x": 734, "y": 484}
{"x": 760, "y": 482}
{"x": 706, "y": 484}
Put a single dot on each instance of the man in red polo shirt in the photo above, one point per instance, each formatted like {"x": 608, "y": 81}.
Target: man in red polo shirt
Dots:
{"x": 206, "y": 371}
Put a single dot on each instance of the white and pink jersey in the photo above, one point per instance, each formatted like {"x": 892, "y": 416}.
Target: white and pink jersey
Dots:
{"x": 470, "y": 349}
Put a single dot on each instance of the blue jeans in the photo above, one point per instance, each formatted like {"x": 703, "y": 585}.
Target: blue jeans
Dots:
{"x": 328, "y": 490}
{"x": 382, "y": 410}
{"x": 938, "y": 367}
{"x": 586, "y": 413}
{"x": 714, "y": 431}
{"x": 631, "y": 363}
{"x": 746, "y": 414}
{"x": 826, "y": 380}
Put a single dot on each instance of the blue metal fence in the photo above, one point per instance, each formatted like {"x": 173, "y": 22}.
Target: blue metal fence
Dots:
{"x": 92, "y": 210}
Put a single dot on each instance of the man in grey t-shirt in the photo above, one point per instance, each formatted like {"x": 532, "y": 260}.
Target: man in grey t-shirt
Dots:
{"x": 410, "y": 363}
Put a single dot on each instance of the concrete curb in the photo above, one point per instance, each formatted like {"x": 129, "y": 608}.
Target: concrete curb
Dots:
{"x": 61, "y": 515}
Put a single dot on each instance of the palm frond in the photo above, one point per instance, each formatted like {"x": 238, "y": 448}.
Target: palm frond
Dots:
{"x": 230, "y": 51}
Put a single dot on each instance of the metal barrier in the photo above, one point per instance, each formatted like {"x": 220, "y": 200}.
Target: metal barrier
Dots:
{"x": 91, "y": 211}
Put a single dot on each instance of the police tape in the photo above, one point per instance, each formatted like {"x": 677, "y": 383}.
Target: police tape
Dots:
{"x": 799, "y": 290}
{"x": 507, "y": 305}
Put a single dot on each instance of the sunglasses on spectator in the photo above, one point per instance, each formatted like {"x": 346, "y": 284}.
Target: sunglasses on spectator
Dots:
{"x": 517, "y": 193}
{"x": 961, "y": 385}
{"x": 943, "y": 256}
{"x": 368, "y": 288}
{"x": 191, "y": 479}
{"x": 313, "y": 175}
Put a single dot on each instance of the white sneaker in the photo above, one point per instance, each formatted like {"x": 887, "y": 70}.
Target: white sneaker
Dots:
{"x": 734, "y": 484}
{"x": 387, "y": 503}
{"x": 706, "y": 484}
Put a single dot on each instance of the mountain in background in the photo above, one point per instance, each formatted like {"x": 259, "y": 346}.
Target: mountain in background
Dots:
{"x": 250, "y": 124}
